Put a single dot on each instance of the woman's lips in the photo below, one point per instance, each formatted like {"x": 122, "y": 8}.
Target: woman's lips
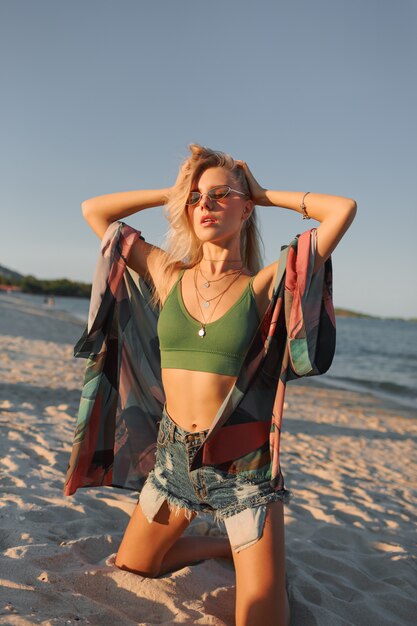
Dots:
{"x": 208, "y": 221}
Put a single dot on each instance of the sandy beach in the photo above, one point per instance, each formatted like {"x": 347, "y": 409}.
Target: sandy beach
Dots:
{"x": 350, "y": 527}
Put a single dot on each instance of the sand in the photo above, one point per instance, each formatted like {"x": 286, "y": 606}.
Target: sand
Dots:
{"x": 350, "y": 528}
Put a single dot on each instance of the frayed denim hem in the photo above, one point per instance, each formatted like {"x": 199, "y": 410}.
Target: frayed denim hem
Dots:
{"x": 153, "y": 495}
{"x": 243, "y": 522}
{"x": 252, "y": 503}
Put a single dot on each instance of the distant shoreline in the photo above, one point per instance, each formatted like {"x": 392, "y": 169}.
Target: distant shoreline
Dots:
{"x": 347, "y": 313}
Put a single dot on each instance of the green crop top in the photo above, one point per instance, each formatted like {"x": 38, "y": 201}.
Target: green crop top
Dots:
{"x": 224, "y": 347}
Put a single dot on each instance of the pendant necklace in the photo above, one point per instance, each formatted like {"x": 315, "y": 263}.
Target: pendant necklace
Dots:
{"x": 208, "y": 281}
{"x": 206, "y": 301}
{"x": 202, "y": 331}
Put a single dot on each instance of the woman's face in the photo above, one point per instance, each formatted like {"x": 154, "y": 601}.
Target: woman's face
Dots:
{"x": 217, "y": 220}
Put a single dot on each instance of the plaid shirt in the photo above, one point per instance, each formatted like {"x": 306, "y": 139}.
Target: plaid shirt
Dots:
{"x": 122, "y": 396}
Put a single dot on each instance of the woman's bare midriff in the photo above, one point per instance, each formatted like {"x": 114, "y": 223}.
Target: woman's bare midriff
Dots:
{"x": 193, "y": 398}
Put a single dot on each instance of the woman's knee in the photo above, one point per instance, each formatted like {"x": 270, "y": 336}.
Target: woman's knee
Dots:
{"x": 139, "y": 551}
{"x": 146, "y": 570}
{"x": 145, "y": 543}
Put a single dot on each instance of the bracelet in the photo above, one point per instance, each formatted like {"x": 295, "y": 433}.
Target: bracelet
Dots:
{"x": 303, "y": 207}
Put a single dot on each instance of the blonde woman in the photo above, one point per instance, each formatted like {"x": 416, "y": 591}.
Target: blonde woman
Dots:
{"x": 215, "y": 301}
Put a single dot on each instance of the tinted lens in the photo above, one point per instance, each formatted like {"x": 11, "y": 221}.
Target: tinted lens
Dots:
{"x": 219, "y": 192}
{"x": 193, "y": 198}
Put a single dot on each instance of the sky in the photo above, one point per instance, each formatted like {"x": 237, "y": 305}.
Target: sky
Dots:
{"x": 100, "y": 96}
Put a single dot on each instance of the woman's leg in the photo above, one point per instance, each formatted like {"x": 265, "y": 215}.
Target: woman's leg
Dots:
{"x": 152, "y": 549}
{"x": 261, "y": 596}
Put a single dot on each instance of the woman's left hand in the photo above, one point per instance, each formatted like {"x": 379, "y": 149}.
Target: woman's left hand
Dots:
{"x": 257, "y": 192}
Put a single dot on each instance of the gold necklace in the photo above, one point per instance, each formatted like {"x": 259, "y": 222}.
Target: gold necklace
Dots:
{"x": 202, "y": 331}
{"x": 206, "y": 301}
{"x": 208, "y": 281}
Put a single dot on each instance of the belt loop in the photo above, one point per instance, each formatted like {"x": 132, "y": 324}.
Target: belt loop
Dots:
{"x": 171, "y": 431}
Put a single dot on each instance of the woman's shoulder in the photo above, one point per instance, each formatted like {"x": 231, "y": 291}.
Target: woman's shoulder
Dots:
{"x": 171, "y": 275}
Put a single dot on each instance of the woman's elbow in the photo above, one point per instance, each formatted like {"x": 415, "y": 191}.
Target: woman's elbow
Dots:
{"x": 352, "y": 206}
{"x": 86, "y": 207}
{"x": 351, "y": 209}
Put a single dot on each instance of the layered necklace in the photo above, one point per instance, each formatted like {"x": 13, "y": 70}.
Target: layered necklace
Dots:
{"x": 206, "y": 301}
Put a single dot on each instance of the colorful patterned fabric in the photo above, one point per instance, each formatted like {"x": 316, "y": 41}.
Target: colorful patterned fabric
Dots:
{"x": 122, "y": 397}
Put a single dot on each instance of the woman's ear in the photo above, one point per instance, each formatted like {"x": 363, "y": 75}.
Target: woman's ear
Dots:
{"x": 249, "y": 206}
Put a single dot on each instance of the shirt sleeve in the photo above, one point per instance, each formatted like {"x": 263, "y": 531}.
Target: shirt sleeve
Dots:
{"x": 122, "y": 396}
{"x": 309, "y": 311}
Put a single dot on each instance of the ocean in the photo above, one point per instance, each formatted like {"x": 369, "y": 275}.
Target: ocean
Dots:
{"x": 376, "y": 356}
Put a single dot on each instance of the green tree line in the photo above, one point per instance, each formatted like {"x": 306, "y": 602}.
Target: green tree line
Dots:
{"x": 56, "y": 287}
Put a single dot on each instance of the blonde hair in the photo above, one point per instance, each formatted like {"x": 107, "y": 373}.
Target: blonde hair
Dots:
{"x": 182, "y": 246}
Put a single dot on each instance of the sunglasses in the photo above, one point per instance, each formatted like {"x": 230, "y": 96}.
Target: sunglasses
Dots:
{"x": 217, "y": 193}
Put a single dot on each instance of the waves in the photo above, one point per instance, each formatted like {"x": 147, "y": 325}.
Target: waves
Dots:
{"x": 396, "y": 394}
{"x": 378, "y": 357}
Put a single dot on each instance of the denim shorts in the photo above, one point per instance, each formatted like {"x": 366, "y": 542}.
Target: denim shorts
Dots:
{"x": 239, "y": 502}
